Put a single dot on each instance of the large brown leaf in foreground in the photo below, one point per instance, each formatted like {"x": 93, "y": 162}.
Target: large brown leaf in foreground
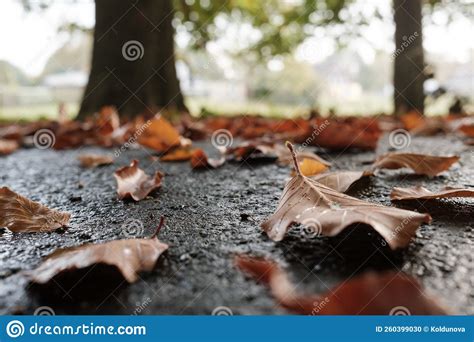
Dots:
{"x": 340, "y": 180}
{"x": 387, "y": 293}
{"x": 133, "y": 182}
{"x": 328, "y": 212}
{"x": 420, "y": 163}
{"x": 159, "y": 135}
{"x": 19, "y": 214}
{"x": 419, "y": 192}
{"x": 129, "y": 256}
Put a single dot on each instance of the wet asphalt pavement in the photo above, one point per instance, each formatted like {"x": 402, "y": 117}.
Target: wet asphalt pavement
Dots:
{"x": 213, "y": 215}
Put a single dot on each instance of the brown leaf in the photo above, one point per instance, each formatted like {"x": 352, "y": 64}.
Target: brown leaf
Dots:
{"x": 178, "y": 154}
{"x": 264, "y": 149}
{"x": 419, "y": 192}
{"x": 135, "y": 183}
{"x": 200, "y": 160}
{"x": 94, "y": 160}
{"x": 8, "y": 146}
{"x": 107, "y": 121}
{"x": 340, "y": 180}
{"x": 19, "y": 214}
{"x": 328, "y": 212}
{"x": 387, "y": 293}
{"x": 420, "y": 163}
{"x": 129, "y": 256}
{"x": 342, "y": 134}
{"x": 159, "y": 135}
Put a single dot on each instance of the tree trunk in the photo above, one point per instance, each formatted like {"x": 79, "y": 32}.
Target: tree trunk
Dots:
{"x": 409, "y": 60}
{"x": 133, "y": 61}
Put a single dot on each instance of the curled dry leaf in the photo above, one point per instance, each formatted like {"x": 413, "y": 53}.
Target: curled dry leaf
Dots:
{"x": 94, "y": 160}
{"x": 159, "y": 135}
{"x": 8, "y": 146}
{"x": 200, "y": 160}
{"x": 419, "y": 192}
{"x": 135, "y": 183}
{"x": 19, "y": 214}
{"x": 178, "y": 154}
{"x": 328, "y": 212}
{"x": 368, "y": 294}
{"x": 129, "y": 256}
{"x": 341, "y": 180}
{"x": 420, "y": 163}
{"x": 107, "y": 120}
{"x": 264, "y": 149}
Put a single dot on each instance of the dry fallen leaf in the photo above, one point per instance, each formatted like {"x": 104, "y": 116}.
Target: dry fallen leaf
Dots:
{"x": 412, "y": 120}
{"x": 419, "y": 192}
{"x": 420, "y": 163}
{"x": 328, "y": 212}
{"x": 107, "y": 121}
{"x": 8, "y": 146}
{"x": 159, "y": 135}
{"x": 19, "y": 214}
{"x": 200, "y": 160}
{"x": 340, "y": 180}
{"x": 178, "y": 154}
{"x": 135, "y": 183}
{"x": 342, "y": 134}
{"x": 129, "y": 256}
{"x": 94, "y": 160}
{"x": 387, "y": 293}
{"x": 259, "y": 149}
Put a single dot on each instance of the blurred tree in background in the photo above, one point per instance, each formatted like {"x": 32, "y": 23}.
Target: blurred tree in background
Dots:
{"x": 133, "y": 62}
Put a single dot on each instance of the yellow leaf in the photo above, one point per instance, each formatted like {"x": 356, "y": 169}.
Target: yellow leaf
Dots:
{"x": 311, "y": 167}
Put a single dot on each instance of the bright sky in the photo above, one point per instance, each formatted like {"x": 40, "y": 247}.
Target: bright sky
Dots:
{"x": 27, "y": 40}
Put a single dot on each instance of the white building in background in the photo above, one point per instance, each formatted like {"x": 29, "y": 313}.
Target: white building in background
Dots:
{"x": 66, "y": 86}
{"x": 223, "y": 90}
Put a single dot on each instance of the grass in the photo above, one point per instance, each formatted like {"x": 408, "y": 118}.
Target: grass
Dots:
{"x": 35, "y": 112}
{"x": 203, "y": 107}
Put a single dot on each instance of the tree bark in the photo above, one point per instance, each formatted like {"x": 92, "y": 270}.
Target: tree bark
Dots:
{"x": 409, "y": 57}
{"x": 133, "y": 60}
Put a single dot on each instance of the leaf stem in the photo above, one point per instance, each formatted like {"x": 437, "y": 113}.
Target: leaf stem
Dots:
{"x": 160, "y": 225}
{"x": 293, "y": 154}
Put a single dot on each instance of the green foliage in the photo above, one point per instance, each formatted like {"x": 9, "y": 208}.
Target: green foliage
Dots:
{"x": 280, "y": 24}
